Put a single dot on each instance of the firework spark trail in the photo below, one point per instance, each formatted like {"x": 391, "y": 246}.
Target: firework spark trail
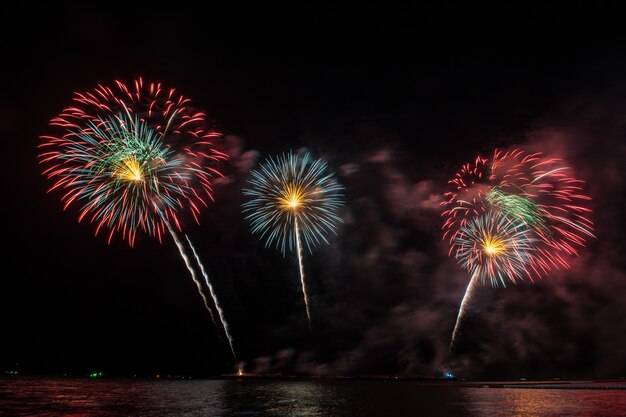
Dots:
{"x": 301, "y": 265}
{"x": 135, "y": 161}
{"x": 294, "y": 203}
{"x": 220, "y": 312}
{"x": 513, "y": 216}
{"x": 469, "y": 292}
{"x": 181, "y": 249}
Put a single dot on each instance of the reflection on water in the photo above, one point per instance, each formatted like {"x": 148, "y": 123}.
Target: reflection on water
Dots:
{"x": 546, "y": 402}
{"x": 88, "y": 397}
{"x": 108, "y": 397}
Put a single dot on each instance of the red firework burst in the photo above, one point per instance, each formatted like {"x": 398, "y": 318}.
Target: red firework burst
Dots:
{"x": 532, "y": 187}
{"x": 134, "y": 157}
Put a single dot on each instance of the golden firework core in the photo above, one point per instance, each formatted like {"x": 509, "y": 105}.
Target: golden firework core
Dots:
{"x": 292, "y": 198}
{"x": 129, "y": 169}
{"x": 493, "y": 246}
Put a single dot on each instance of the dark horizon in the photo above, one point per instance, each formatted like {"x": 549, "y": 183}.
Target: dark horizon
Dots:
{"x": 396, "y": 101}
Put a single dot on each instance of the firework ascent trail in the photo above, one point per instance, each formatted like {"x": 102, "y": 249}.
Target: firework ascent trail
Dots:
{"x": 301, "y": 266}
{"x": 469, "y": 293}
{"x": 220, "y": 312}
{"x": 192, "y": 272}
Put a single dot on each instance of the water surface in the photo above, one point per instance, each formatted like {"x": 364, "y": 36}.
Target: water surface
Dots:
{"x": 29, "y": 396}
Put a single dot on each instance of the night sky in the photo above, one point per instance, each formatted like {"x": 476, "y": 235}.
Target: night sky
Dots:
{"x": 395, "y": 100}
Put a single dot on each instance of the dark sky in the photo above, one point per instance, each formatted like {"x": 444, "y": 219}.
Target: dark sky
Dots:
{"x": 396, "y": 100}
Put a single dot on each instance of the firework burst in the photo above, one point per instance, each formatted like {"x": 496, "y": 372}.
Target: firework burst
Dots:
{"x": 293, "y": 199}
{"x": 512, "y": 216}
{"x": 496, "y": 248}
{"x": 134, "y": 160}
{"x": 538, "y": 190}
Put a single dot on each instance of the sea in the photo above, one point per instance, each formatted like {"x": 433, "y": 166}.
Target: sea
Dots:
{"x": 107, "y": 397}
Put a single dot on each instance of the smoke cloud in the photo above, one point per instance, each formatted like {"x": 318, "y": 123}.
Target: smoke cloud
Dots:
{"x": 385, "y": 294}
